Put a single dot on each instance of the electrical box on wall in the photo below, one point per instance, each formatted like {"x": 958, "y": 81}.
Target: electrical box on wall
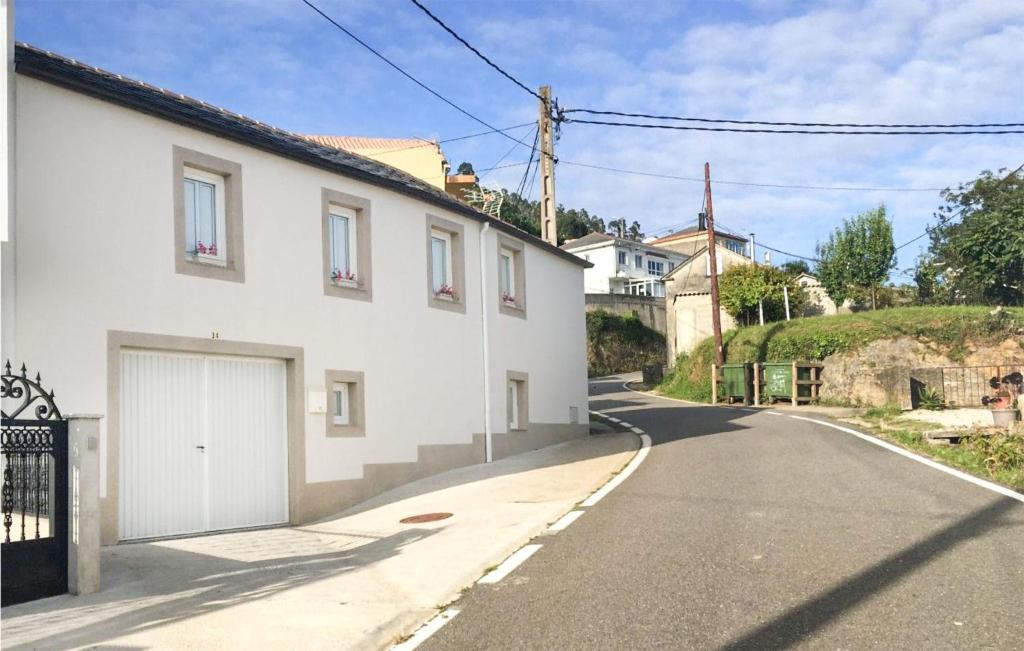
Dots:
{"x": 316, "y": 401}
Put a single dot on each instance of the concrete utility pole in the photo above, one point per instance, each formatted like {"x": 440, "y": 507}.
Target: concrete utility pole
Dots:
{"x": 548, "y": 206}
{"x": 716, "y": 317}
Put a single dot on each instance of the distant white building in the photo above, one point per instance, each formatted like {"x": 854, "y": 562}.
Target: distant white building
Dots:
{"x": 622, "y": 266}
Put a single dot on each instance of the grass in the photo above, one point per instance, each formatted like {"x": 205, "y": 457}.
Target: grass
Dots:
{"x": 946, "y": 328}
{"x": 996, "y": 457}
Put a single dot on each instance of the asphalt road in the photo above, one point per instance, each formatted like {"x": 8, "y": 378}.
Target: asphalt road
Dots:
{"x": 745, "y": 530}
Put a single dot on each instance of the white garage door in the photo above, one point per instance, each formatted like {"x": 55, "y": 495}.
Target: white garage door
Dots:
{"x": 203, "y": 443}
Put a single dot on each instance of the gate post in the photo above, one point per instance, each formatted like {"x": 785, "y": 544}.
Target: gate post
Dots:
{"x": 83, "y": 503}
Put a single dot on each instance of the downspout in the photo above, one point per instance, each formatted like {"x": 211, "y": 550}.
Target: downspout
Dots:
{"x": 485, "y": 338}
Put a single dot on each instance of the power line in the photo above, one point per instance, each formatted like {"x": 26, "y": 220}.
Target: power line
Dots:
{"x": 526, "y": 173}
{"x": 676, "y": 127}
{"x": 795, "y": 124}
{"x": 749, "y": 184}
{"x": 948, "y": 218}
{"x": 475, "y": 51}
{"x": 406, "y": 74}
{"x": 425, "y": 141}
{"x": 506, "y": 155}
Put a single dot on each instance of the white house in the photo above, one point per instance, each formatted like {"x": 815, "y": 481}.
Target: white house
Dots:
{"x": 273, "y": 329}
{"x": 622, "y": 266}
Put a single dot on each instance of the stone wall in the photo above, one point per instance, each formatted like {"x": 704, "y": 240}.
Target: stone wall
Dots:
{"x": 650, "y": 309}
{"x": 881, "y": 372}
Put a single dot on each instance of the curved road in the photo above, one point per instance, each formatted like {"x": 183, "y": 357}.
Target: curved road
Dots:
{"x": 745, "y": 530}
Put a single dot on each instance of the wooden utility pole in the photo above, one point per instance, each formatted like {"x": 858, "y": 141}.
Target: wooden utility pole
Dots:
{"x": 716, "y": 318}
{"x": 548, "y": 206}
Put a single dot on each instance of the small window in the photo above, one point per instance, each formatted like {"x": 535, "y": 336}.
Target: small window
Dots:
{"x": 507, "y": 278}
{"x": 205, "y": 230}
{"x": 671, "y": 266}
{"x": 342, "y": 415}
{"x": 441, "y": 269}
{"x": 655, "y": 268}
{"x": 343, "y": 246}
{"x": 622, "y": 258}
{"x": 513, "y": 404}
{"x": 638, "y": 261}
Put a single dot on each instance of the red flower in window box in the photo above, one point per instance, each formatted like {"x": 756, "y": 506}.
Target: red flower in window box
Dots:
{"x": 446, "y": 290}
{"x": 201, "y": 248}
{"x": 338, "y": 275}
{"x": 508, "y": 298}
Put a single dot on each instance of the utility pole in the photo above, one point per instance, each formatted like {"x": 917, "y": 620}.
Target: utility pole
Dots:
{"x": 548, "y": 206}
{"x": 716, "y": 317}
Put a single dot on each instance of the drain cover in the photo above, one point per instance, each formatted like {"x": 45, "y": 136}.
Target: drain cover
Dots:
{"x": 425, "y": 517}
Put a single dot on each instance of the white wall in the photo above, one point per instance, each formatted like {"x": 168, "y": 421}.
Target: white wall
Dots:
{"x": 96, "y": 241}
{"x": 605, "y": 259}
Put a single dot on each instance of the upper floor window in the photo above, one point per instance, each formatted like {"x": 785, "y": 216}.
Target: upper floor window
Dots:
{"x": 735, "y": 247}
{"x": 638, "y": 261}
{"x": 346, "y": 226}
{"x": 622, "y": 258}
{"x": 655, "y": 268}
{"x": 441, "y": 270}
{"x": 208, "y": 238}
{"x": 343, "y": 246}
{"x": 204, "y": 216}
{"x": 511, "y": 276}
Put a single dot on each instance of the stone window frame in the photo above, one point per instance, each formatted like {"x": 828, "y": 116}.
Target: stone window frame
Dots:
{"x": 356, "y": 403}
{"x": 456, "y": 232}
{"x": 233, "y": 269}
{"x": 363, "y": 291}
{"x": 522, "y": 399}
{"x": 518, "y": 249}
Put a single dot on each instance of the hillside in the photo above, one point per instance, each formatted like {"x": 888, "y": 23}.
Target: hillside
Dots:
{"x": 617, "y": 344}
{"x": 951, "y": 333}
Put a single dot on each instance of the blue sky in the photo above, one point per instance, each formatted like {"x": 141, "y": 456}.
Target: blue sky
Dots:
{"x": 897, "y": 61}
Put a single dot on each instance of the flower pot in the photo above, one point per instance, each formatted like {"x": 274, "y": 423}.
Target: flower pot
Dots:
{"x": 1004, "y": 417}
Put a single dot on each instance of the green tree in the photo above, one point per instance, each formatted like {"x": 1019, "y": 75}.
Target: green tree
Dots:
{"x": 859, "y": 254}
{"x": 465, "y": 168}
{"x": 980, "y": 257}
{"x": 795, "y": 267}
{"x": 742, "y": 286}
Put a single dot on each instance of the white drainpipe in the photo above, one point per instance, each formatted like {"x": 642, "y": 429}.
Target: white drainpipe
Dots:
{"x": 485, "y": 336}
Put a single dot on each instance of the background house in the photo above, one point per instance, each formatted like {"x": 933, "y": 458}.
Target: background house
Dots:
{"x": 818, "y": 301}
{"x": 626, "y": 277}
{"x": 273, "y": 329}
{"x": 688, "y": 299}
{"x": 692, "y": 239}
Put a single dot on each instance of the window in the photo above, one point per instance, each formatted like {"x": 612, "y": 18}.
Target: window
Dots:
{"x": 207, "y": 204}
{"x": 513, "y": 405}
{"x": 343, "y": 246}
{"x": 622, "y": 258}
{"x": 671, "y": 266}
{"x": 719, "y": 264}
{"x": 345, "y": 224}
{"x": 655, "y": 268}
{"x": 511, "y": 276}
{"x": 345, "y": 403}
{"x": 341, "y": 415}
{"x": 204, "y": 216}
{"x": 735, "y": 247}
{"x": 517, "y": 401}
{"x": 446, "y": 276}
{"x": 638, "y": 261}
{"x": 507, "y": 280}
{"x": 441, "y": 271}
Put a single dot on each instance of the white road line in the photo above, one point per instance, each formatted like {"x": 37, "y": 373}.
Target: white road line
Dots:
{"x": 428, "y": 629}
{"x": 774, "y": 413}
{"x": 645, "y": 447}
{"x": 637, "y": 430}
{"x": 510, "y": 564}
{"x": 565, "y": 521}
{"x": 613, "y": 419}
{"x": 1002, "y": 490}
{"x": 625, "y": 424}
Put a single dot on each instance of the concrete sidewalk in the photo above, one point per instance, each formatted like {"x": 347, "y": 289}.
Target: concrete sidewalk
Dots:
{"x": 358, "y": 580}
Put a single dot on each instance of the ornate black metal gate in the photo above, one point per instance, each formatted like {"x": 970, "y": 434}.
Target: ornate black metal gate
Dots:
{"x": 35, "y": 491}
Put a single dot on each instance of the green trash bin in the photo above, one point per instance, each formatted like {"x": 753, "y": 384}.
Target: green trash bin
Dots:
{"x": 777, "y": 381}
{"x": 736, "y": 381}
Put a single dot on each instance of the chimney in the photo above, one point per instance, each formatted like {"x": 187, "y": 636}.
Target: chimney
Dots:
{"x": 702, "y": 222}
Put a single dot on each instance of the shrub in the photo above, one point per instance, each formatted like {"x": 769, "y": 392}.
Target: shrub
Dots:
{"x": 1000, "y": 451}
{"x": 617, "y": 344}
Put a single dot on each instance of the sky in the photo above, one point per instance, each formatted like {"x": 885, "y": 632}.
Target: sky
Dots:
{"x": 901, "y": 61}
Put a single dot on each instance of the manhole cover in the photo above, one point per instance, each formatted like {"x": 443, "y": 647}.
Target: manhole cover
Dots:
{"x": 425, "y": 517}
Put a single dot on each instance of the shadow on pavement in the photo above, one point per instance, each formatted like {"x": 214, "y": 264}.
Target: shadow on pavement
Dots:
{"x": 801, "y": 621}
{"x": 181, "y": 585}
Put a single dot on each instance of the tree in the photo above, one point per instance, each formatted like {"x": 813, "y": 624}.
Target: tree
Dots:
{"x": 795, "y": 267}
{"x": 859, "y": 254}
{"x": 742, "y": 286}
{"x": 618, "y": 228}
{"x": 980, "y": 257}
{"x": 465, "y": 168}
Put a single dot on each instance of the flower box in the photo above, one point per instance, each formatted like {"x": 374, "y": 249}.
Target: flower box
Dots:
{"x": 343, "y": 278}
{"x": 446, "y": 293}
